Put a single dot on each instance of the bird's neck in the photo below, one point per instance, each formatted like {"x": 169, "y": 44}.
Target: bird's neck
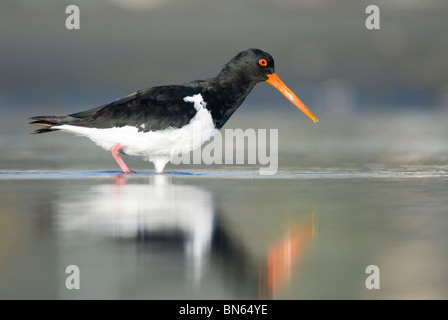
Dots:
{"x": 230, "y": 90}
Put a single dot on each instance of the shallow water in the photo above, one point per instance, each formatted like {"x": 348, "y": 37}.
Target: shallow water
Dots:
{"x": 341, "y": 201}
{"x": 322, "y": 173}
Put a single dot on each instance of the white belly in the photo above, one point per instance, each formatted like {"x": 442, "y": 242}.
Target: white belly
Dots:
{"x": 154, "y": 145}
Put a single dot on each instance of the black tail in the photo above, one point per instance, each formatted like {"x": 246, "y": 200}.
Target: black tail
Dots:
{"x": 48, "y": 122}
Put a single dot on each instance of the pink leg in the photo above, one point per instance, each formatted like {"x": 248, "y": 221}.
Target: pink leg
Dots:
{"x": 115, "y": 150}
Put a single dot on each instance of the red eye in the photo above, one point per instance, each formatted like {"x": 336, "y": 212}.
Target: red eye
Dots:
{"x": 262, "y": 62}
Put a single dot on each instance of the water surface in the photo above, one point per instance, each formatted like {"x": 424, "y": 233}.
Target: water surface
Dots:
{"x": 341, "y": 201}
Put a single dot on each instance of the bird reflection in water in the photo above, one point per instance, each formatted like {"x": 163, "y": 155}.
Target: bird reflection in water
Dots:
{"x": 162, "y": 212}
{"x": 284, "y": 255}
{"x": 158, "y": 211}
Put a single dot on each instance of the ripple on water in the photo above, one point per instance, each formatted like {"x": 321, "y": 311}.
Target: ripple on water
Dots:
{"x": 314, "y": 173}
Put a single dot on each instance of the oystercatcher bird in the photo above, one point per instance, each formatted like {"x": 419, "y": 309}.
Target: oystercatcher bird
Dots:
{"x": 158, "y": 123}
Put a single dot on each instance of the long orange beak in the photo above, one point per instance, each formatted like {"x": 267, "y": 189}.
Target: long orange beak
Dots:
{"x": 274, "y": 80}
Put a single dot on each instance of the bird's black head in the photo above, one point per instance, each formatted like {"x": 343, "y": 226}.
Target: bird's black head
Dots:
{"x": 252, "y": 64}
{"x": 248, "y": 68}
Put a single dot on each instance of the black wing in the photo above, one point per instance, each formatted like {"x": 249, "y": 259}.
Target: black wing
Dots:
{"x": 151, "y": 109}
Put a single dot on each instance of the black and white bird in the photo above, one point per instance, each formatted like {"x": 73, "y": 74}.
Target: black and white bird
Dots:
{"x": 158, "y": 123}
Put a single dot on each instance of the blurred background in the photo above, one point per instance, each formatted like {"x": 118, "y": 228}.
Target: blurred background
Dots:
{"x": 367, "y": 185}
{"x": 322, "y": 50}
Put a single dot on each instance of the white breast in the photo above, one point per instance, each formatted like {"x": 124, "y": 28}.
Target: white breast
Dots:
{"x": 155, "y": 144}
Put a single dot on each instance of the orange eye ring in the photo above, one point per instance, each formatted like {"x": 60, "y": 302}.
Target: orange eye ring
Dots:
{"x": 262, "y": 62}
